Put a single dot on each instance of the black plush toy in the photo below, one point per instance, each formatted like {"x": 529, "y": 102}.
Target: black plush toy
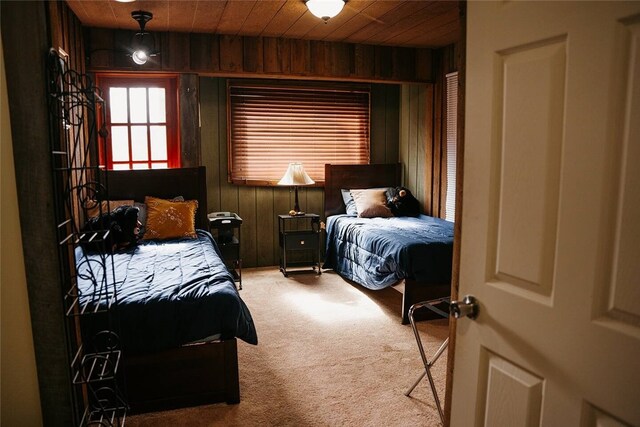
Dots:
{"x": 402, "y": 203}
{"x": 123, "y": 226}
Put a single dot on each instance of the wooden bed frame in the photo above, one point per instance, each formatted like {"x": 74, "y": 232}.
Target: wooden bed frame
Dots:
{"x": 193, "y": 374}
{"x": 338, "y": 177}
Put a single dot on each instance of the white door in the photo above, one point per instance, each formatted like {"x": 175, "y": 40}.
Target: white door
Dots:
{"x": 551, "y": 216}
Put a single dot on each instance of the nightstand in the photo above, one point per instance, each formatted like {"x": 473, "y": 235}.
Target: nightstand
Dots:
{"x": 299, "y": 237}
{"x": 225, "y": 229}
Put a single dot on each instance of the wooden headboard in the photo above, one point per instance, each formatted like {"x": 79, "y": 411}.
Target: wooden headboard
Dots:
{"x": 337, "y": 177}
{"x": 162, "y": 183}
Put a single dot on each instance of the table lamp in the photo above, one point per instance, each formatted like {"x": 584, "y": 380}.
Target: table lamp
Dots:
{"x": 295, "y": 176}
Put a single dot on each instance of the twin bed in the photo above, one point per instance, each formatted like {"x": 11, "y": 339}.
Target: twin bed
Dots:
{"x": 176, "y": 311}
{"x": 379, "y": 252}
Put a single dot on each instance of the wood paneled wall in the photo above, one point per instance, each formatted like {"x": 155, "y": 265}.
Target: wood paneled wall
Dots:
{"x": 190, "y": 154}
{"x": 225, "y": 55}
{"x": 67, "y": 34}
{"x": 423, "y": 139}
{"x": 415, "y": 137}
{"x": 259, "y": 206}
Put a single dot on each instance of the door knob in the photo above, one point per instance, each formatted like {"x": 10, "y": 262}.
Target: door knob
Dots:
{"x": 467, "y": 307}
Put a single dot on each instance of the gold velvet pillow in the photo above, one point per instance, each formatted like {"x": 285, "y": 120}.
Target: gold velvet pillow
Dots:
{"x": 169, "y": 220}
{"x": 94, "y": 210}
{"x": 371, "y": 203}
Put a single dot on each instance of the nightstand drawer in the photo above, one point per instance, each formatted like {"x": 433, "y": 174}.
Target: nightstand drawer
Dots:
{"x": 301, "y": 240}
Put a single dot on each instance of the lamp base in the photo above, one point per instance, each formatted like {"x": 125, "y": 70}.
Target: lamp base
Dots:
{"x": 296, "y": 207}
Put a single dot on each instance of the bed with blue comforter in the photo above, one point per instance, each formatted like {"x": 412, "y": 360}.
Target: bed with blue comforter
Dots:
{"x": 178, "y": 316}
{"x": 168, "y": 294}
{"x": 379, "y": 252}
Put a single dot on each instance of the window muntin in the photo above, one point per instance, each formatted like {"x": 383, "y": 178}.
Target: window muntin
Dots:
{"x": 142, "y": 121}
{"x": 271, "y": 125}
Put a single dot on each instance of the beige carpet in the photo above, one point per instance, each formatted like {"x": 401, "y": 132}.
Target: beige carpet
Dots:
{"x": 329, "y": 354}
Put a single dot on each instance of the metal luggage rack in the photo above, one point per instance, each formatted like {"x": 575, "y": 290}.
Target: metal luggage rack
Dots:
{"x": 432, "y": 305}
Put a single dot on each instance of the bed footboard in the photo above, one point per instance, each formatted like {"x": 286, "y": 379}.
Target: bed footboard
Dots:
{"x": 187, "y": 376}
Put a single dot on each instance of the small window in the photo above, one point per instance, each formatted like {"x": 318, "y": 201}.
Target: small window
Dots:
{"x": 271, "y": 125}
{"x": 142, "y": 120}
{"x": 452, "y": 140}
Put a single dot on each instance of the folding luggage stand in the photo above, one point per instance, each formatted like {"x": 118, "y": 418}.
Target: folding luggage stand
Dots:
{"x": 431, "y": 305}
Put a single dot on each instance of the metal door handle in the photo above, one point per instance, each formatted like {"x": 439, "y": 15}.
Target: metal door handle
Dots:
{"x": 467, "y": 307}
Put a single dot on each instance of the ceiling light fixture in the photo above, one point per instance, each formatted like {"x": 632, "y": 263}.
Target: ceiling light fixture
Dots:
{"x": 143, "y": 43}
{"x": 325, "y": 9}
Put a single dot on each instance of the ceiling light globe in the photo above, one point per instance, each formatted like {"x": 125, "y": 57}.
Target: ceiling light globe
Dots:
{"x": 325, "y": 9}
{"x": 140, "y": 57}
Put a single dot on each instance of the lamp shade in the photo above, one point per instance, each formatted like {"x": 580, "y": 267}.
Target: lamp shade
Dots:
{"x": 295, "y": 176}
{"x": 325, "y": 9}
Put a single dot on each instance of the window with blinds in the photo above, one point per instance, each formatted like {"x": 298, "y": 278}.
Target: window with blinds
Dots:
{"x": 273, "y": 125}
{"x": 452, "y": 138}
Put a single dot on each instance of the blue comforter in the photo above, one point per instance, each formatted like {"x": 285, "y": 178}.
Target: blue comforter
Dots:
{"x": 169, "y": 293}
{"x": 378, "y": 252}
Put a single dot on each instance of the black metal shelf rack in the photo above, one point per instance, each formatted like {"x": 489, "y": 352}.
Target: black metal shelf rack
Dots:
{"x": 225, "y": 227}
{"x": 79, "y": 186}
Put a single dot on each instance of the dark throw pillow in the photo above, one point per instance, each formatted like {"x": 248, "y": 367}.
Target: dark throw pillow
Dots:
{"x": 402, "y": 203}
{"x": 122, "y": 224}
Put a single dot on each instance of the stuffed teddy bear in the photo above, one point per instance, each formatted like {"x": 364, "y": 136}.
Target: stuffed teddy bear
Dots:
{"x": 123, "y": 226}
{"x": 402, "y": 203}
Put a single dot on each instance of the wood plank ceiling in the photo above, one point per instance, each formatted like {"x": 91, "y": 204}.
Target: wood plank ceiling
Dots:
{"x": 407, "y": 23}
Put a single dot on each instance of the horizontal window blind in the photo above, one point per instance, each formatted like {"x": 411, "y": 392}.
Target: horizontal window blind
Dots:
{"x": 452, "y": 139}
{"x": 271, "y": 126}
